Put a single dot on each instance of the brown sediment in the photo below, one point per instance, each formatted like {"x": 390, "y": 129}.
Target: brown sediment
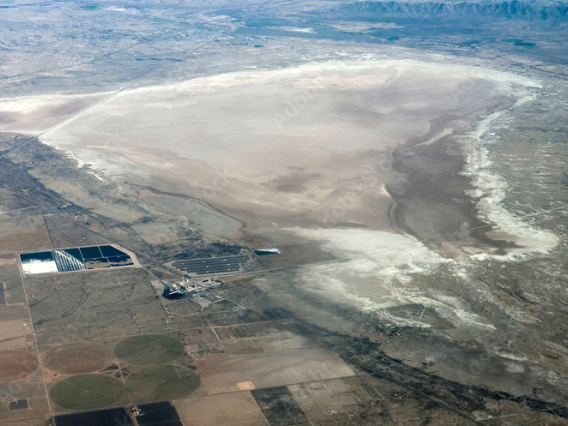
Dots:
{"x": 432, "y": 201}
{"x": 16, "y": 365}
{"x": 138, "y": 188}
{"x": 77, "y": 358}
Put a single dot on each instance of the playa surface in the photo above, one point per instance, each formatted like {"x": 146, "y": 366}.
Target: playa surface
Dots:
{"x": 307, "y": 147}
{"x": 364, "y": 158}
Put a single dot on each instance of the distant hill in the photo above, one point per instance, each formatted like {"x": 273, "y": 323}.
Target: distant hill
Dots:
{"x": 555, "y": 12}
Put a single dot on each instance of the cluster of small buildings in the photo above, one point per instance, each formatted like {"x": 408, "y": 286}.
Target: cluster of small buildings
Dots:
{"x": 189, "y": 287}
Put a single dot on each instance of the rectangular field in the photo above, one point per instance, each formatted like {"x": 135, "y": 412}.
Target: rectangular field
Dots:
{"x": 12, "y": 335}
{"x": 279, "y": 407}
{"x": 233, "y": 409}
{"x": 271, "y": 369}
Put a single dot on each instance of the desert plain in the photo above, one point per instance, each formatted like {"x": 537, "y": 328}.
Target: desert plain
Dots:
{"x": 415, "y": 193}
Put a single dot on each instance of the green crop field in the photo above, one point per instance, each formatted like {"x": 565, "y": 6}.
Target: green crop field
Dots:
{"x": 162, "y": 383}
{"x": 86, "y": 392}
{"x": 150, "y": 349}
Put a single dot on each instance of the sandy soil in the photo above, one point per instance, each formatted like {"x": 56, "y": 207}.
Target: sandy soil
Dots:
{"x": 294, "y": 366}
{"x": 29, "y": 233}
{"x": 217, "y": 410}
{"x": 12, "y": 335}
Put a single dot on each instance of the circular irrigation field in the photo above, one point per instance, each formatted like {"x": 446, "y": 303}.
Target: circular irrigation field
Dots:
{"x": 149, "y": 349}
{"x": 77, "y": 358}
{"x": 162, "y": 383}
{"x": 87, "y": 392}
{"x": 16, "y": 365}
